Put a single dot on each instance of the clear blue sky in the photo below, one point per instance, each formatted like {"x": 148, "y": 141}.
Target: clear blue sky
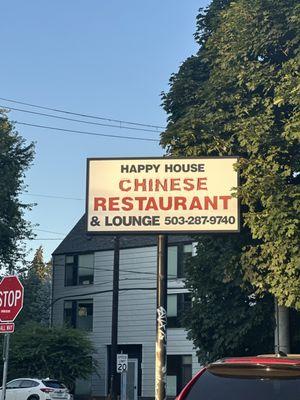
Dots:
{"x": 106, "y": 58}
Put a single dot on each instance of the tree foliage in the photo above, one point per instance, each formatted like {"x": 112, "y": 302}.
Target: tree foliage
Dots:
{"x": 226, "y": 318}
{"x": 60, "y": 353}
{"x": 15, "y": 158}
{"x": 240, "y": 96}
{"x": 37, "y": 291}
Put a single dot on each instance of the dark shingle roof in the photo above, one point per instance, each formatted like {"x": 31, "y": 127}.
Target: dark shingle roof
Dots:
{"x": 77, "y": 240}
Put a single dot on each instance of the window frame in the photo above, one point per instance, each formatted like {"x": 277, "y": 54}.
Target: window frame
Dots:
{"x": 75, "y": 270}
{"x": 183, "y": 298}
{"x": 74, "y": 313}
{"x": 178, "y": 362}
{"x": 33, "y": 384}
{"x": 180, "y": 259}
{"x": 14, "y": 387}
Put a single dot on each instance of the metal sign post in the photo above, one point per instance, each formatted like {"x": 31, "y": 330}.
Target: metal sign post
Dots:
{"x": 11, "y": 303}
{"x": 123, "y": 385}
{"x": 161, "y": 319}
{"x": 5, "y": 364}
{"x": 122, "y": 368}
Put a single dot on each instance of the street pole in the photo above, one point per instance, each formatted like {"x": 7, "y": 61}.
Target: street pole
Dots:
{"x": 282, "y": 330}
{"x": 5, "y": 364}
{"x": 114, "y": 321}
{"x": 123, "y": 385}
{"x": 161, "y": 319}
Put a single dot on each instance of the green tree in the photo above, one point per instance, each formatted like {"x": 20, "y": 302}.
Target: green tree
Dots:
{"x": 59, "y": 353}
{"x": 240, "y": 96}
{"x": 37, "y": 291}
{"x": 15, "y": 158}
{"x": 226, "y": 317}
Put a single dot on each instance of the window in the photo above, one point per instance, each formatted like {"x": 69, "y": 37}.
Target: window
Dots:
{"x": 247, "y": 382}
{"x": 79, "y": 270}
{"x": 178, "y": 304}
{"x": 179, "y": 372}
{"x": 14, "y": 384}
{"x": 28, "y": 383}
{"x": 177, "y": 259}
{"x": 53, "y": 384}
{"x": 79, "y": 314}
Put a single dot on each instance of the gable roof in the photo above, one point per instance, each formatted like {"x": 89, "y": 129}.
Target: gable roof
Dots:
{"x": 78, "y": 241}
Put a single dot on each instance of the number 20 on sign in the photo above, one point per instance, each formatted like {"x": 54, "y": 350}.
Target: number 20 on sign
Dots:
{"x": 122, "y": 363}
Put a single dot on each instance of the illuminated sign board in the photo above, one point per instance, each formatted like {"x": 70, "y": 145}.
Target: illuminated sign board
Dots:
{"x": 162, "y": 195}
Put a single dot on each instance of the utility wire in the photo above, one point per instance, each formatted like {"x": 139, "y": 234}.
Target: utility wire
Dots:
{"x": 47, "y": 239}
{"x": 80, "y": 120}
{"x": 55, "y": 233}
{"x": 121, "y": 270}
{"x": 80, "y": 287}
{"x": 125, "y": 270}
{"x": 99, "y": 292}
{"x": 86, "y": 133}
{"x": 107, "y": 291}
{"x": 52, "y": 196}
{"x": 82, "y": 115}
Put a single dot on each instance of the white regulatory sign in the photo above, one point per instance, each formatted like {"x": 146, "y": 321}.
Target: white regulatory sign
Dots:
{"x": 122, "y": 363}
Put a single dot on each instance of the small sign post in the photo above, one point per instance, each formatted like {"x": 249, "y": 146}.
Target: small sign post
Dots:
{"x": 122, "y": 368}
{"x": 123, "y": 385}
{"x": 11, "y": 303}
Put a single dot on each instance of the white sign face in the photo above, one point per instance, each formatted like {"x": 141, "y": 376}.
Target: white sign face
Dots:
{"x": 122, "y": 363}
{"x": 162, "y": 195}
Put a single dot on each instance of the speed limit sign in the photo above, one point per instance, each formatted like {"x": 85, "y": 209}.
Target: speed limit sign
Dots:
{"x": 122, "y": 363}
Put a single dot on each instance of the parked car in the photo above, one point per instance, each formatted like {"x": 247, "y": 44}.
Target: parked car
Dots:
{"x": 246, "y": 378}
{"x": 36, "y": 389}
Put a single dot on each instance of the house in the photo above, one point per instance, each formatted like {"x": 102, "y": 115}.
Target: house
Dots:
{"x": 82, "y": 298}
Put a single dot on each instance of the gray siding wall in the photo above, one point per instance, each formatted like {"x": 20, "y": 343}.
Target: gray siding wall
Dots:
{"x": 137, "y": 310}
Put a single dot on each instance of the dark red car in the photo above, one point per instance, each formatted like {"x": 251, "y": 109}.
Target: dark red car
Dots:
{"x": 246, "y": 378}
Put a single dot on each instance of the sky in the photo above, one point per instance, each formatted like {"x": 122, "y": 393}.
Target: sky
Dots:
{"x": 110, "y": 59}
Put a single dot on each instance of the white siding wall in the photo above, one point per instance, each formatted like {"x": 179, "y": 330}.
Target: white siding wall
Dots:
{"x": 136, "y": 311}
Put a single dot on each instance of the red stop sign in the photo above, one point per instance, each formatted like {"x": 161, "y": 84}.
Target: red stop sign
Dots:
{"x": 11, "y": 298}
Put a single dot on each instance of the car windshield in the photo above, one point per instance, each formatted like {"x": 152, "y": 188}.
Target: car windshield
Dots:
{"x": 54, "y": 384}
{"x": 247, "y": 383}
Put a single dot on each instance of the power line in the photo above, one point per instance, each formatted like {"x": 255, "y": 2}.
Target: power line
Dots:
{"x": 79, "y": 120}
{"x": 86, "y": 133}
{"x": 121, "y": 270}
{"x": 47, "y": 239}
{"x": 125, "y": 270}
{"x": 82, "y": 115}
{"x": 106, "y": 291}
{"x": 55, "y": 233}
{"x": 80, "y": 287}
{"x": 99, "y": 292}
{"x": 52, "y": 196}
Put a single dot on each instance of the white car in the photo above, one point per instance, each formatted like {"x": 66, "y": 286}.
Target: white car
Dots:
{"x": 36, "y": 389}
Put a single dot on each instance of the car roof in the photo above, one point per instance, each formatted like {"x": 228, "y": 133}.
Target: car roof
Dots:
{"x": 37, "y": 379}
{"x": 274, "y": 359}
{"x": 22, "y": 379}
